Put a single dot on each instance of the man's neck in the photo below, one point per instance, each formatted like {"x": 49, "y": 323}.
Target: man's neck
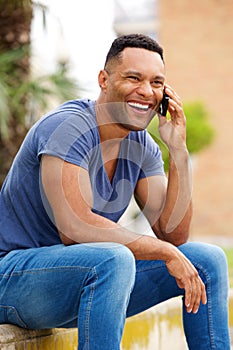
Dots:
{"x": 108, "y": 129}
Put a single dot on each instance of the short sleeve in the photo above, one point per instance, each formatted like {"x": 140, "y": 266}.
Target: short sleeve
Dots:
{"x": 70, "y": 134}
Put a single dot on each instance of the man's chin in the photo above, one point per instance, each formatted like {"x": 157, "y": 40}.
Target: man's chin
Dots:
{"x": 139, "y": 123}
{"x": 134, "y": 127}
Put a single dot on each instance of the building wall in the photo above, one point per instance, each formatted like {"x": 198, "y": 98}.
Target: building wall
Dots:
{"x": 197, "y": 37}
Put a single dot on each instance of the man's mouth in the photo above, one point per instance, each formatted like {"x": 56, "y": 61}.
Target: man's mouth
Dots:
{"x": 139, "y": 106}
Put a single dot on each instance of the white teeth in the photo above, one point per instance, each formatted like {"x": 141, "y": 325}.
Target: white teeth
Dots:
{"x": 139, "y": 106}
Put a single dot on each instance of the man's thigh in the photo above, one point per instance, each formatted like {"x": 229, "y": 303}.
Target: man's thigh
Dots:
{"x": 41, "y": 287}
{"x": 153, "y": 285}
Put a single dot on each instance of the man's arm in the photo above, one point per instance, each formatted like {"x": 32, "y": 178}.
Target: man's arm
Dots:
{"x": 168, "y": 207}
{"x": 67, "y": 188}
{"x": 167, "y": 203}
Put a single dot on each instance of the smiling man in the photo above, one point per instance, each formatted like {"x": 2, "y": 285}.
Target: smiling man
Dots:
{"x": 136, "y": 86}
{"x": 64, "y": 258}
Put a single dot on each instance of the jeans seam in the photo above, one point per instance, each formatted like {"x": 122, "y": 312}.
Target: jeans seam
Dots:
{"x": 35, "y": 271}
{"x": 89, "y": 305}
{"x": 14, "y": 310}
{"x": 209, "y": 305}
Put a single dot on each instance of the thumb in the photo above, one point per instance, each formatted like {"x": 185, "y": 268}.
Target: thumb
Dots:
{"x": 162, "y": 120}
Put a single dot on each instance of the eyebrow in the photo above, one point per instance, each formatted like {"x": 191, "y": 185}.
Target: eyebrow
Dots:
{"x": 129, "y": 72}
{"x": 132, "y": 72}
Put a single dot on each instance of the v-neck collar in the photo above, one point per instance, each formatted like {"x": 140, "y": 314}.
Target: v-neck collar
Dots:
{"x": 111, "y": 184}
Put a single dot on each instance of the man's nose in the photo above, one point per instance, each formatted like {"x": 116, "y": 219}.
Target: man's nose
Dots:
{"x": 145, "y": 89}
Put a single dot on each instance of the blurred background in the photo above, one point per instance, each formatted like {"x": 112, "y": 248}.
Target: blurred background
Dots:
{"x": 51, "y": 51}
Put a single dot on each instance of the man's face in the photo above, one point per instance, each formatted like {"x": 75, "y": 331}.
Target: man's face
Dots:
{"x": 134, "y": 88}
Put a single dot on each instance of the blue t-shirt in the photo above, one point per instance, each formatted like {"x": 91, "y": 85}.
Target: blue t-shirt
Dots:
{"x": 69, "y": 132}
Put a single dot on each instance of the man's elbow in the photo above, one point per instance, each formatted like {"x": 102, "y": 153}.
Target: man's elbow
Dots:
{"x": 179, "y": 234}
{"x": 66, "y": 240}
{"x": 181, "y": 240}
{"x": 177, "y": 238}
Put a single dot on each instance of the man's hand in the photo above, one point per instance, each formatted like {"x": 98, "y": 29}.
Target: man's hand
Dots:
{"x": 173, "y": 131}
{"x": 187, "y": 278}
{"x": 174, "y": 222}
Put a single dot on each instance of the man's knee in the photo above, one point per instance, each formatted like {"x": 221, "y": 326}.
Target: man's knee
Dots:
{"x": 121, "y": 258}
{"x": 209, "y": 259}
{"x": 119, "y": 263}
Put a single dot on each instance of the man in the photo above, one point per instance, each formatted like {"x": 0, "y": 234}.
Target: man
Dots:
{"x": 65, "y": 260}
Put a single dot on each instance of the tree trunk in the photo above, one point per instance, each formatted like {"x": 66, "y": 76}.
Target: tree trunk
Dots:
{"x": 15, "y": 19}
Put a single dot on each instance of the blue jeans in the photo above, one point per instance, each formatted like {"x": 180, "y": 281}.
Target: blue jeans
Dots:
{"x": 96, "y": 286}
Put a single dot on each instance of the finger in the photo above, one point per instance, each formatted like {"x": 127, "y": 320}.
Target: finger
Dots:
{"x": 187, "y": 293}
{"x": 203, "y": 296}
{"x": 196, "y": 297}
{"x": 172, "y": 107}
{"x": 171, "y": 92}
{"x": 162, "y": 120}
{"x": 192, "y": 290}
{"x": 175, "y": 103}
{"x": 190, "y": 300}
{"x": 188, "y": 297}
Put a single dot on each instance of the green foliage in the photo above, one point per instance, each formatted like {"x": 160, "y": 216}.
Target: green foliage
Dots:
{"x": 34, "y": 92}
{"x": 7, "y": 90}
{"x": 200, "y": 133}
{"x": 229, "y": 255}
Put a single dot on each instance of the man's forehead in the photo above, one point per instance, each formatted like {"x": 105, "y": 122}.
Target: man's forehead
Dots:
{"x": 138, "y": 51}
{"x": 136, "y": 58}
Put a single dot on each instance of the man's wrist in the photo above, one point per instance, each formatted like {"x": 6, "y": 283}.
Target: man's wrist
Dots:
{"x": 179, "y": 157}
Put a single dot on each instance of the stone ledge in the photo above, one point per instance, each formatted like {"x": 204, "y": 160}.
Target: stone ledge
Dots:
{"x": 16, "y": 338}
{"x": 10, "y": 333}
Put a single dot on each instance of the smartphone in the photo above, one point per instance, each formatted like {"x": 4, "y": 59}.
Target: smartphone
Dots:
{"x": 164, "y": 105}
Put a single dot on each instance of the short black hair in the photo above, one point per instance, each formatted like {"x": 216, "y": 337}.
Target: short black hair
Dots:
{"x": 132, "y": 40}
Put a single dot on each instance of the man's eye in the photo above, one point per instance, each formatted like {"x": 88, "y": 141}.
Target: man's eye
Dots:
{"x": 132, "y": 77}
{"x": 157, "y": 83}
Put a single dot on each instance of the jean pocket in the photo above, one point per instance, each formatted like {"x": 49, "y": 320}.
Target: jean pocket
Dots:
{"x": 9, "y": 314}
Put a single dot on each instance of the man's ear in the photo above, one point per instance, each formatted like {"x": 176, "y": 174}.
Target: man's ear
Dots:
{"x": 103, "y": 79}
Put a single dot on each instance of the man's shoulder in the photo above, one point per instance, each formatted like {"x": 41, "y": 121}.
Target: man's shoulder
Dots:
{"x": 76, "y": 105}
{"x": 72, "y": 107}
{"x": 70, "y": 113}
